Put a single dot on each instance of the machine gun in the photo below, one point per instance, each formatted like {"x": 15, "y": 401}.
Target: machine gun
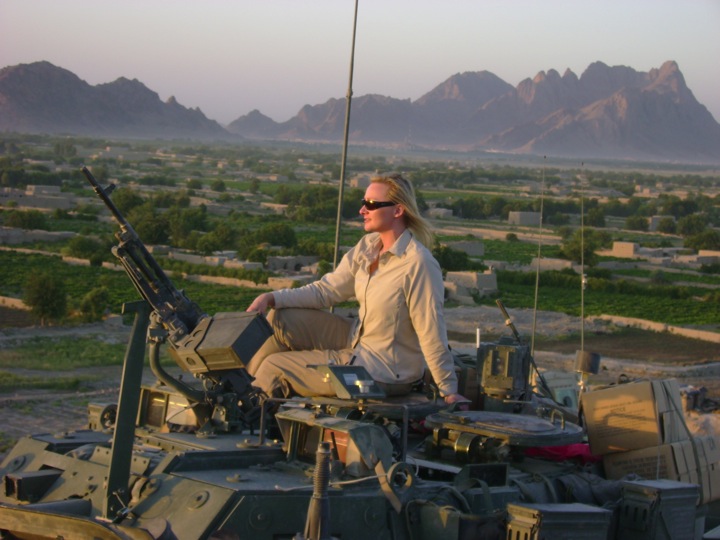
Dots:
{"x": 214, "y": 349}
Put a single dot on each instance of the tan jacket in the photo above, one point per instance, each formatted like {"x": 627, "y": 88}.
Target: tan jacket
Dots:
{"x": 401, "y": 326}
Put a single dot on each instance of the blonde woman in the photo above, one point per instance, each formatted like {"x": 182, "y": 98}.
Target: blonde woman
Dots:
{"x": 400, "y": 329}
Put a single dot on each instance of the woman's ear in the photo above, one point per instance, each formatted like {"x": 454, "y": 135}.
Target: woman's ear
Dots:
{"x": 399, "y": 211}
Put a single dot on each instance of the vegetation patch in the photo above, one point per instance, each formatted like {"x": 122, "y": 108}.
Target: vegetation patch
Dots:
{"x": 12, "y": 381}
{"x": 62, "y": 354}
{"x": 561, "y": 291}
{"x": 78, "y": 280}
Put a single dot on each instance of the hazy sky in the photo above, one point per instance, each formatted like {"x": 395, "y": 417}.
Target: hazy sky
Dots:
{"x": 228, "y": 57}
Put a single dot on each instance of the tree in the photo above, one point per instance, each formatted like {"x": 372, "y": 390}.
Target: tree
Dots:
{"x": 29, "y": 219}
{"x": 453, "y": 260}
{"x": 126, "y": 199}
{"x": 45, "y": 295}
{"x": 495, "y": 207}
{"x": 149, "y": 225}
{"x": 708, "y": 239}
{"x": 218, "y": 185}
{"x": 100, "y": 172}
{"x": 423, "y": 206}
{"x": 181, "y": 222}
{"x": 667, "y": 225}
{"x": 677, "y": 207}
{"x": 258, "y": 254}
{"x": 225, "y": 235}
{"x": 692, "y": 225}
{"x": 323, "y": 268}
{"x": 309, "y": 246}
{"x": 595, "y": 217}
{"x": 83, "y": 247}
{"x": 469, "y": 208}
{"x": 277, "y": 234}
{"x": 222, "y": 237}
{"x": 558, "y": 219}
{"x": 636, "y": 223}
{"x": 94, "y": 304}
{"x": 584, "y": 245}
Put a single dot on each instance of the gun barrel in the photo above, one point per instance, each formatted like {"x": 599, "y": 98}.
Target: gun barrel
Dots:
{"x": 508, "y": 320}
{"x": 174, "y": 308}
{"x": 101, "y": 192}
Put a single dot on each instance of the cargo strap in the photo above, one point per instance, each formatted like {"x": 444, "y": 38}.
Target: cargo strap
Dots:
{"x": 396, "y": 483}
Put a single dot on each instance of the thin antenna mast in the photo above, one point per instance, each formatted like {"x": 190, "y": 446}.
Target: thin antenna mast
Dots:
{"x": 345, "y": 143}
{"x": 586, "y": 363}
{"x": 583, "y": 279}
{"x": 537, "y": 270}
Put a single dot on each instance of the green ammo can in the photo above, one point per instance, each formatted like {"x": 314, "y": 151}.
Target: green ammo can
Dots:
{"x": 658, "y": 510}
{"x": 572, "y": 521}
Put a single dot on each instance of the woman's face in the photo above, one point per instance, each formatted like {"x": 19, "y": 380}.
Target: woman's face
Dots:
{"x": 380, "y": 219}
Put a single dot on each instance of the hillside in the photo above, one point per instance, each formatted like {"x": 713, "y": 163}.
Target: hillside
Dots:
{"x": 607, "y": 112}
{"x": 43, "y": 98}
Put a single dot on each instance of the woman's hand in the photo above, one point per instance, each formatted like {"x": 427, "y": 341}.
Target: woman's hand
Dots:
{"x": 262, "y": 303}
{"x": 463, "y": 403}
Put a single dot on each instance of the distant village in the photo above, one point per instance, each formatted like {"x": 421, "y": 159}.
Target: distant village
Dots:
{"x": 295, "y": 270}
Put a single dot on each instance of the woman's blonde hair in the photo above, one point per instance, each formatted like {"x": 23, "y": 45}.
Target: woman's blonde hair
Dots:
{"x": 402, "y": 192}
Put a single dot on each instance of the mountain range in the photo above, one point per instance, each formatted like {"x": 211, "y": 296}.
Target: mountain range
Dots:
{"x": 608, "y": 112}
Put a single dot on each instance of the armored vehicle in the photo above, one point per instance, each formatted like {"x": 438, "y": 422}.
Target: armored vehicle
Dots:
{"x": 210, "y": 456}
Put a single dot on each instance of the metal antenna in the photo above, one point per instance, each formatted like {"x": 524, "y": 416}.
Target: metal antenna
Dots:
{"x": 583, "y": 279}
{"x": 345, "y": 144}
{"x": 537, "y": 269}
{"x": 508, "y": 321}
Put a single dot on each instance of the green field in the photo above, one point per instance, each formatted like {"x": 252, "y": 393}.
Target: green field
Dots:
{"x": 15, "y": 267}
{"x": 678, "y": 305}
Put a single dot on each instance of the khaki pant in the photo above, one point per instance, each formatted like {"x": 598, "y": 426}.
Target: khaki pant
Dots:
{"x": 302, "y": 338}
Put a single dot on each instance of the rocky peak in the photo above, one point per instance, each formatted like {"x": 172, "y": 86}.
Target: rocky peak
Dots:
{"x": 551, "y": 76}
{"x": 569, "y": 76}
{"x": 600, "y": 80}
{"x": 471, "y": 87}
{"x": 547, "y": 90}
{"x": 668, "y": 79}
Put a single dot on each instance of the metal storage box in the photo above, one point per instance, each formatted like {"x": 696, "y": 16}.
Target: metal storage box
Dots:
{"x": 572, "y": 521}
{"x": 657, "y": 510}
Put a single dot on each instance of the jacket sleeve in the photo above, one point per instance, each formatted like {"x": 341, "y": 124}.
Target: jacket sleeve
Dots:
{"x": 425, "y": 299}
{"x": 334, "y": 287}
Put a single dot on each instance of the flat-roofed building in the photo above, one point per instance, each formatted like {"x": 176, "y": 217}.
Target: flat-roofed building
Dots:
{"x": 524, "y": 219}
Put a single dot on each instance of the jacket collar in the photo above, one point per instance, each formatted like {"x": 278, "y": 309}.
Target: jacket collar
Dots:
{"x": 398, "y": 248}
{"x": 401, "y": 244}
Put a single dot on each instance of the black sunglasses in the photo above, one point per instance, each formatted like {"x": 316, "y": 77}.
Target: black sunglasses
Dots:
{"x": 374, "y": 205}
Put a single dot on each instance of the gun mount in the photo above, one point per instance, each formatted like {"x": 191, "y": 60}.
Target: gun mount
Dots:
{"x": 214, "y": 349}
